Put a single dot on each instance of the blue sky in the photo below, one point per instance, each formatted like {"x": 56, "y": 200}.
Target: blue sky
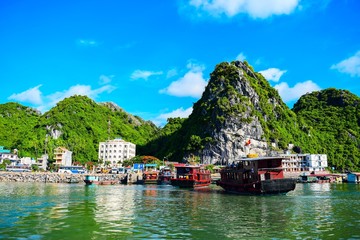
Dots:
{"x": 153, "y": 58}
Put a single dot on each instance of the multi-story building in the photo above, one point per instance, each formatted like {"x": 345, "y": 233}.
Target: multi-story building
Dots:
{"x": 42, "y": 161}
{"x": 116, "y": 151}
{"x": 62, "y": 157}
{"x": 304, "y": 162}
{"x": 8, "y": 155}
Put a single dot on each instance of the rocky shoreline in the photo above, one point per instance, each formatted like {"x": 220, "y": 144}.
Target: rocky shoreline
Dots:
{"x": 49, "y": 177}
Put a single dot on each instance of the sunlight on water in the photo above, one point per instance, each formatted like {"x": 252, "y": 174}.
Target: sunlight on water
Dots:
{"x": 70, "y": 211}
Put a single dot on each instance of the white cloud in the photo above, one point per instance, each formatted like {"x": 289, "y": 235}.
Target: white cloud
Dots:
{"x": 171, "y": 73}
{"x": 180, "y": 112}
{"x": 32, "y": 95}
{"x": 87, "y": 43}
{"x": 105, "y": 79}
{"x": 289, "y": 94}
{"x": 350, "y": 65}
{"x": 84, "y": 90}
{"x": 273, "y": 74}
{"x": 241, "y": 57}
{"x": 138, "y": 74}
{"x": 43, "y": 103}
{"x": 192, "y": 84}
{"x": 253, "y": 8}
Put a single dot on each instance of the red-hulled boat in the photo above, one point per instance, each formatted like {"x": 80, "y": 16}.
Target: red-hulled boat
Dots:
{"x": 262, "y": 175}
{"x": 191, "y": 176}
{"x": 150, "y": 177}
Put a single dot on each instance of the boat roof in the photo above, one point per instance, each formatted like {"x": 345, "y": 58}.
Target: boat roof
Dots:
{"x": 183, "y": 165}
{"x": 261, "y": 158}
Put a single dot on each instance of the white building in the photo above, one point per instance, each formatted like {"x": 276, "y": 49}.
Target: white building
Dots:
{"x": 8, "y": 155}
{"x": 62, "y": 156}
{"x": 316, "y": 162}
{"x": 304, "y": 162}
{"x": 42, "y": 161}
{"x": 27, "y": 161}
{"x": 116, "y": 151}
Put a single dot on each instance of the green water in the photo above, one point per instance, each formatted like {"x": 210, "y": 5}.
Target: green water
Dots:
{"x": 66, "y": 211}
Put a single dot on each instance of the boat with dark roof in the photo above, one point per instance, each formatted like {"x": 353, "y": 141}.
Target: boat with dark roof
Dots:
{"x": 191, "y": 176}
{"x": 261, "y": 175}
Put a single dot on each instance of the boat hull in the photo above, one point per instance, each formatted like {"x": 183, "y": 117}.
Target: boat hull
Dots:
{"x": 272, "y": 186}
{"x": 188, "y": 183}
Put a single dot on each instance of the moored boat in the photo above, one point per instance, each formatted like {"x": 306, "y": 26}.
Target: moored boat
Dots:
{"x": 150, "y": 177}
{"x": 165, "y": 176}
{"x": 191, "y": 176}
{"x": 261, "y": 175}
{"x": 90, "y": 179}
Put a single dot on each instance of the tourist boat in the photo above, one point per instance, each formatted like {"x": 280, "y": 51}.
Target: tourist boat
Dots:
{"x": 261, "y": 175}
{"x": 191, "y": 176}
{"x": 149, "y": 177}
{"x": 165, "y": 176}
{"x": 89, "y": 180}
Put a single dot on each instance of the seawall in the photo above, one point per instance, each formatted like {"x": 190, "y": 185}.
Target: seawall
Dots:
{"x": 48, "y": 177}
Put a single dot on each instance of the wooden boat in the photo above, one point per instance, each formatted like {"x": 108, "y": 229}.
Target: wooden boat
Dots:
{"x": 319, "y": 178}
{"x": 191, "y": 176}
{"x": 89, "y": 180}
{"x": 165, "y": 176}
{"x": 262, "y": 175}
{"x": 149, "y": 177}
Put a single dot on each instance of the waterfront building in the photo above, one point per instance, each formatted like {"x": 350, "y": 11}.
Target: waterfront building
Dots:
{"x": 28, "y": 161}
{"x": 42, "y": 161}
{"x": 116, "y": 151}
{"x": 62, "y": 156}
{"x": 304, "y": 162}
{"x": 6, "y": 154}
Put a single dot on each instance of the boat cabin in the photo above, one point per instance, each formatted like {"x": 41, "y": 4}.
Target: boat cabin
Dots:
{"x": 191, "y": 176}
{"x": 191, "y": 172}
{"x": 249, "y": 170}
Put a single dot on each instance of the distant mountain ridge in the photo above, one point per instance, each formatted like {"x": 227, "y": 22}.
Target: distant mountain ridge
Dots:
{"x": 238, "y": 113}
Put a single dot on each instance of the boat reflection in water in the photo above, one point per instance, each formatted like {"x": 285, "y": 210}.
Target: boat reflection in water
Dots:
{"x": 262, "y": 175}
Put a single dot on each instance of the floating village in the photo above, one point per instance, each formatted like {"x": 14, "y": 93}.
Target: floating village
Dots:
{"x": 252, "y": 174}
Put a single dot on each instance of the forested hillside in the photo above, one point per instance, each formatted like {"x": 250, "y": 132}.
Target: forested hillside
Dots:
{"x": 334, "y": 117}
{"x": 77, "y": 123}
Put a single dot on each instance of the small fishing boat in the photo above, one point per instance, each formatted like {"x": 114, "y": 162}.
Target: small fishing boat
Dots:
{"x": 191, "y": 176}
{"x": 165, "y": 176}
{"x": 261, "y": 175}
{"x": 90, "y": 180}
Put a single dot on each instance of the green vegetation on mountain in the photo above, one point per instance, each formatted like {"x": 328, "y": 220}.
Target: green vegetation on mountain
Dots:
{"x": 77, "y": 123}
{"x": 222, "y": 101}
{"x": 334, "y": 117}
{"x": 17, "y": 128}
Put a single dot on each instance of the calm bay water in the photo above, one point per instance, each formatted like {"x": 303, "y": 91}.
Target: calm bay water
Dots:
{"x": 75, "y": 211}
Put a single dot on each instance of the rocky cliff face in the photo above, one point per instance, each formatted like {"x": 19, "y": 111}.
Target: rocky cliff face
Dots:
{"x": 236, "y": 113}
